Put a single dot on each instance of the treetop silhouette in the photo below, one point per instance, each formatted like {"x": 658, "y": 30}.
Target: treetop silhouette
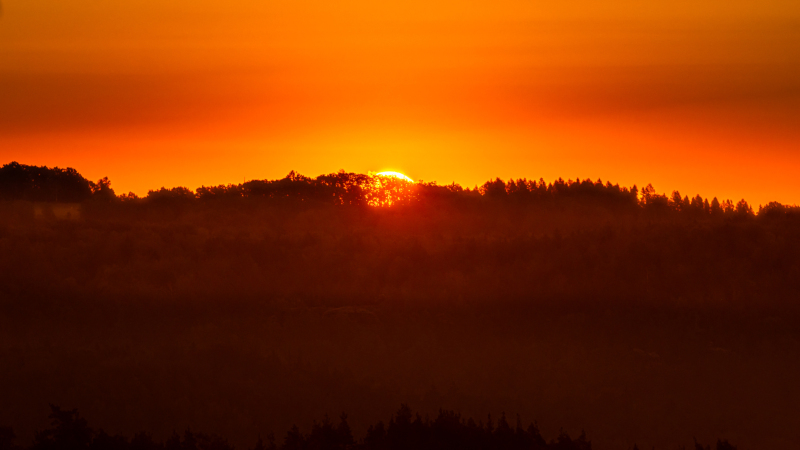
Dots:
{"x": 35, "y": 183}
{"x": 406, "y": 431}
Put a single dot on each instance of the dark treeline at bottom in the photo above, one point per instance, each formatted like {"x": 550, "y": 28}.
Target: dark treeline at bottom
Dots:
{"x": 69, "y": 431}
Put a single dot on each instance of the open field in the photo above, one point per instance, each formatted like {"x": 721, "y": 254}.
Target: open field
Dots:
{"x": 243, "y": 320}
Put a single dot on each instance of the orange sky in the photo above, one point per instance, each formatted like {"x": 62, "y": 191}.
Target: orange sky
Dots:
{"x": 702, "y": 96}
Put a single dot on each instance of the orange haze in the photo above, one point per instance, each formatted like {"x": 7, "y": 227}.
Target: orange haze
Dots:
{"x": 702, "y": 96}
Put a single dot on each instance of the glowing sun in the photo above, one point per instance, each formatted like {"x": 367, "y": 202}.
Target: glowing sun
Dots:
{"x": 396, "y": 175}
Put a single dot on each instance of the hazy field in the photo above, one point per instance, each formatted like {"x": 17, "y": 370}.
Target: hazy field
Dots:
{"x": 244, "y": 319}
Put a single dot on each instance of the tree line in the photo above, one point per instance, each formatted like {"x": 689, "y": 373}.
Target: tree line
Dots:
{"x": 40, "y": 183}
{"x": 449, "y": 430}
{"x": 44, "y": 184}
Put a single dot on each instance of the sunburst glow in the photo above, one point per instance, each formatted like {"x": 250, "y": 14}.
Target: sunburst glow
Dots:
{"x": 396, "y": 175}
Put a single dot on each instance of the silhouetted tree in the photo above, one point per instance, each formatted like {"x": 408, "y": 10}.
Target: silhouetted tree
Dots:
{"x": 173, "y": 442}
{"x": 344, "y": 433}
{"x": 698, "y": 446}
{"x": 7, "y": 437}
{"x": 104, "y": 441}
{"x": 716, "y": 208}
{"x": 143, "y": 441}
{"x": 176, "y": 194}
{"x": 503, "y": 434}
{"x": 41, "y": 183}
{"x": 294, "y": 439}
{"x": 564, "y": 442}
{"x": 189, "y": 441}
{"x": 102, "y": 189}
{"x": 724, "y": 445}
{"x": 259, "y": 444}
{"x": 375, "y": 438}
{"x": 743, "y": 209}
{"x": 494, "y": 189}
{"x": 68, "y": 432}
{"x": 323, "y": 436}
{"x": 535, "y": 437}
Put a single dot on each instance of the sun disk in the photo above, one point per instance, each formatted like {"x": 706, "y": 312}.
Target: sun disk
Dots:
{"x": 396, "y": 175}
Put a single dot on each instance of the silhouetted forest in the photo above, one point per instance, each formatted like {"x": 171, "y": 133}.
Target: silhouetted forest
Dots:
{"x": 44, "y": 184}
{"x": 40, "y": 183}
{"x": 642, "y": 318}
{"x": 404, "y": 431}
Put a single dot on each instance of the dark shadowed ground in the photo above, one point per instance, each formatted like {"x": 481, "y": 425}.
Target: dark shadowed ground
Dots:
{"x": 241, "y": 319}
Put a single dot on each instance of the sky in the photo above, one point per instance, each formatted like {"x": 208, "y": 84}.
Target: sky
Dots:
{"x": 700, "y": 96}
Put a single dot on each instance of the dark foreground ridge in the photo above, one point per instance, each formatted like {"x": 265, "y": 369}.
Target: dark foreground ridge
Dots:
{"x": 405, "y": 431}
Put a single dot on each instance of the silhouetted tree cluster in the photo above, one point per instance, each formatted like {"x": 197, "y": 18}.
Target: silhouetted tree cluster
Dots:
{"x": 22, "y": 182}
{"x": 43, "y": 184}
{"x": 339, "y": 188}
{"x": 344, "y": 188}
{"x": 450, "y": 431}
{"x": 69, "y": 431}
{"x": 7, "y": 437}
{"x": 405, "y": 431}
{"x": 722, "y": 444}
